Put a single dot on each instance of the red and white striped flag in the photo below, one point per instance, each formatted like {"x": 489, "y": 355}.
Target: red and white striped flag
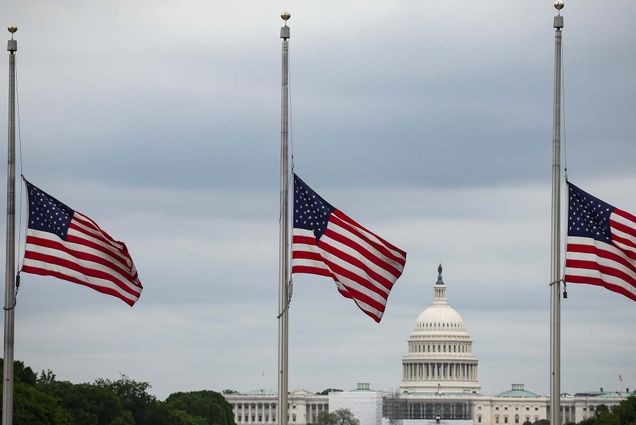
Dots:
{"x": 329, "y": 243}
{"x": 601, "y": 244}
{"x": 63, "y": 243}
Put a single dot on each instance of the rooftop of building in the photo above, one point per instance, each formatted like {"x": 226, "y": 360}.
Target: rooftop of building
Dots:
{"x": 363, "y": 386}
{"x": 442, "y": 393}
{"x": 606, "y": 394}
{"x": 262, "y": 392}
{"x": 518, "y": 390}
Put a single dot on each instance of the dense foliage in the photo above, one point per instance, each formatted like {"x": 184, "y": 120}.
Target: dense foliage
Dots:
{"x": 43, "y": 400}
{"x": 623, "y": 414}
{"x": 337, "y": 417}
{"x": 329, "y": 390}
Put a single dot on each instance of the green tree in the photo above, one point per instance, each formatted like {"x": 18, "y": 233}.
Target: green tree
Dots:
{"x": 46, "y": 377}
{"x": 88, "y": 404}
{"x": 623, "y": 414}
{"x": 126, "y": 418}
{"x": 329, "y": 390}
{"x": 209, "y": 405}
{"x": 132, "y": 395}
{"x": 337, "y": 417}
{"x": 179, "y": 417}
{"x": 30, "y": 406}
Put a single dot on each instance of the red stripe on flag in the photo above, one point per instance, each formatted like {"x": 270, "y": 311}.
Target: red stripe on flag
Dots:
{"x": 50, "y": 259}
{"x": 357, "y": 263}
{"x": 81, "y": 241}
{"x": 46, "y": 243}
{"x": 622, "y": 227}
{"x": 86, "y": 221}
{"x": 625, "y": 214}
{"x": 307, "y": 240}
{"x": 604, "y": 270}
{"x": 592, "y": 249}
{"x": 102, "y": 289}
{"x": 599, "y": 282}
{"x": 307, "y": 255}
{"x": 381, "y": 248}
{"x": 619, "y": 240}
{"x": 352, "y": 294}
{"x": 312, "y": 270}
{"x": 338, "y": 270}
{"x": 354, "y": 223}
{"x": 362, "y": 251}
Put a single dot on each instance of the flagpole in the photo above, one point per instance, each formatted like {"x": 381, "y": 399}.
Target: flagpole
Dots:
{"x": 283, "y": 296}
{"x": 555, "y": 263}
{"x": 9, "y": 276}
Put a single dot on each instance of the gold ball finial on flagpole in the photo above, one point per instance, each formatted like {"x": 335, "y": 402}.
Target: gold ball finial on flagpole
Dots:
{"x": 285, "y": 15}
{"x": 12, "y": 29}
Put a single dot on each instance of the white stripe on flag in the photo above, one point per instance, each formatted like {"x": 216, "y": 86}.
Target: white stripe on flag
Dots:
{"x": 358, "y": 272}
{"x": 370, "y": 235}
{"x": 604, "y": 277}
{"x": 30, "y": 247}
{"x": 90, "y": 224}
{"x": 586, "y": 272}
{"x": 366, "y": 246}
{"x": 79, "y": 247}
{"x": 580, "y": 240}
{"x": 583, "y": 256}
{"x": 355, "y": 254}
{"x": 72, "y": 273}
{"x": 104, "y": 243}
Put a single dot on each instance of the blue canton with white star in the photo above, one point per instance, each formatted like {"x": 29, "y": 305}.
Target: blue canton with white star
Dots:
{"x": 588, "y": 216}
{"x": 47, "y": 214}
{"x": 311, "y": 212}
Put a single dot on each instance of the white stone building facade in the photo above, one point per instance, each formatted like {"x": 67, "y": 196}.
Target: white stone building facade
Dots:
{"x": 260, "y": 407}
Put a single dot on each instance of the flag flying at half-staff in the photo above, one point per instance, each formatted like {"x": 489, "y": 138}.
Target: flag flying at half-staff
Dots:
{"x": 601, "y": 244}
{"x": 327, "y": 242}
{"x": 63, "y": 243}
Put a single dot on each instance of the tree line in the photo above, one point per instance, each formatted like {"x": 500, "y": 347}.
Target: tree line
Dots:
{"x": 44, "y": 400}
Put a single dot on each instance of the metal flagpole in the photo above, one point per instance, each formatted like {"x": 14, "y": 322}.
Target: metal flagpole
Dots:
{"x": 9, "y": 274}
{"x": 283, "y": 295}
{"x": 555, "y": 263}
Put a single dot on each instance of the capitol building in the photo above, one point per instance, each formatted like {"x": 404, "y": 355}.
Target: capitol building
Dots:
{"x": 439, "y": 384}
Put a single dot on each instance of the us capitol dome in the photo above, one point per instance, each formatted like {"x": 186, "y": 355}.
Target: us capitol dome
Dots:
{"x": 439, "y": 356}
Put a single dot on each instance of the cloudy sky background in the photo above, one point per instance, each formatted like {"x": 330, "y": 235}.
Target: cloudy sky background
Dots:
{"x": 429, "y": 122}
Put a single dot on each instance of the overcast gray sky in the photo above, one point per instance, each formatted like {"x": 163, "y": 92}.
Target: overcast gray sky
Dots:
{"x": 429, "y": 122}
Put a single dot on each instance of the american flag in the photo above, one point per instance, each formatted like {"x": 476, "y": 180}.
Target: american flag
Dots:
{"x": 63, "y": 243}
{"x": 329, "y": 243}
{"x": 601, "y": 244}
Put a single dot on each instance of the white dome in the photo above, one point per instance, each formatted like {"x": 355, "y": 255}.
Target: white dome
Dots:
{"x": 440, "y": 317}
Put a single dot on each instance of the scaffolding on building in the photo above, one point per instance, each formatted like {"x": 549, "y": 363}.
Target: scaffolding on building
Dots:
{"x": 398, "y": 406}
